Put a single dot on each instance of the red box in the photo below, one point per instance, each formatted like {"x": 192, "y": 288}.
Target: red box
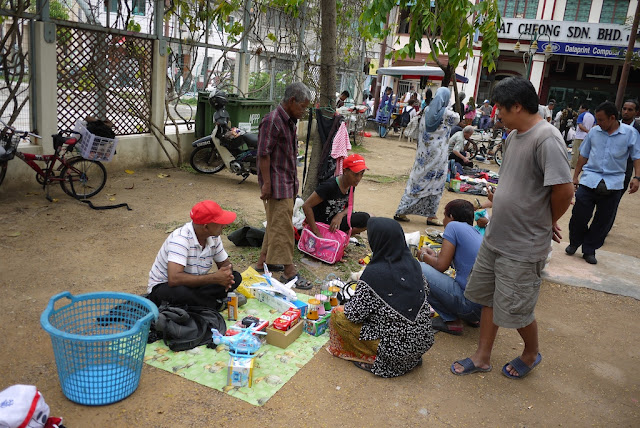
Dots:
{"x": 262, "y": 326}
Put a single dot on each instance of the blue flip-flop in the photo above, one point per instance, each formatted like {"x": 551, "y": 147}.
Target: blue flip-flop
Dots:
{"x": 468, "y": 367}
{"x": 522, "y": 369}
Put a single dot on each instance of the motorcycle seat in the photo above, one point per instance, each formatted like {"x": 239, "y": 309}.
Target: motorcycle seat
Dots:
{"x": 250, "y": 139}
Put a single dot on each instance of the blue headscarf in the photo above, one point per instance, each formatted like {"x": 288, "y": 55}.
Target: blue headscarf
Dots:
{"x": 435, "y": 111}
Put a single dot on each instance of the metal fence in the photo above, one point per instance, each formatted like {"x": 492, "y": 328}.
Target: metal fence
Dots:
{"x": 15, "y": 73}
{"x": 104, "y": 75}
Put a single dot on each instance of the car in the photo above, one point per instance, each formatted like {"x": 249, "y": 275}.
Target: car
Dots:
{"x": 287, "y": 320}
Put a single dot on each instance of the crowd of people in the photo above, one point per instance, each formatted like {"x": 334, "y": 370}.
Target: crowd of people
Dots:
{"x": 387, "y": 325}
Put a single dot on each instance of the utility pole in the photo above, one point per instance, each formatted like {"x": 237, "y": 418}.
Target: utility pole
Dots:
{"x": 383, "y": 52}
{"x": 624, "y": 77}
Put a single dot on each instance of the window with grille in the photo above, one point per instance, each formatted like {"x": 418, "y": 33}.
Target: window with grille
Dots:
{"x": 577, "y": 10}
{"x": 138, "y": 7}
{"x": 518, "y": 8}
{"x": 115, "y": 5}
{"x": 614, "y": 11}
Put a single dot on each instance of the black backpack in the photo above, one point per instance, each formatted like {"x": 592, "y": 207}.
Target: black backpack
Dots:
{"x": 406, "y": 116}
{"x": 185, "y": 327}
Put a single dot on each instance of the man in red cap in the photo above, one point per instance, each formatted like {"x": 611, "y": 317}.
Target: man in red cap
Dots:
{"x": 329, "y": 202}
{"x": 180, "y": 274}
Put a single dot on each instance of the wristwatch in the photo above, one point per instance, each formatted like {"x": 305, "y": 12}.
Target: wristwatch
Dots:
{"x": 637, "y": 178}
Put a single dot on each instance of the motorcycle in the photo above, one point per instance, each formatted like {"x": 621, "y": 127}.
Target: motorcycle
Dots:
{"x": 225, "y": 147}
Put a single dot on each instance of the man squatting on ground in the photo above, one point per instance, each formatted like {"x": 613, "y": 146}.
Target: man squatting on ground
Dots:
{"x": 180, "y": 274}
{"x": 535, "y": 190}
{"x": 278, "y": 179}
{"x": 602, "y": 162}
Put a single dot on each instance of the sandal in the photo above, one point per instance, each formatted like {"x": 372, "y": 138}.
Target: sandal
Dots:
{"x": 434, "y": 222}
{"x": 272, "y": 268}
{"x": 440, "y": 325}
{"x": 301, "y": 283}
{"x": 363, "y": 366}
{"x": 402, "y": 218}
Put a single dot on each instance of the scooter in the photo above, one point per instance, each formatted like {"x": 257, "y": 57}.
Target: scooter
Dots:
{"x": 225, "y": 147}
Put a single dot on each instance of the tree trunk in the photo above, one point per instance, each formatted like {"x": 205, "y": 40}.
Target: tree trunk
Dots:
{"x": 624, "y": 76}
{"x": 328, "y": 58}
{"x": 448, "y": 75}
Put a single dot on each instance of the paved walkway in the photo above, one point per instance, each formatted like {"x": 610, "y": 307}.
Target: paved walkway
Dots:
{"x": 614, "y": 273}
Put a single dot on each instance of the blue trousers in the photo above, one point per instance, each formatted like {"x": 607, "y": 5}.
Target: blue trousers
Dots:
{"x": 591, "y": 236}
{"x": 447, "y": 297}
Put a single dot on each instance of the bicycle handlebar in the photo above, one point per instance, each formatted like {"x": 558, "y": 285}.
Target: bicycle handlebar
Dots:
{"x": 22, "y": 134}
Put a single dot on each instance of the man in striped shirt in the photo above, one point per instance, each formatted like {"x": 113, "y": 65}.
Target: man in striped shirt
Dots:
{"x": 180, "y": 274}
{"x": 278, "y": 179}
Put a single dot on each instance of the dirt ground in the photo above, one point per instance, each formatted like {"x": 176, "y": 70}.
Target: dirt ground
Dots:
{"x": 588, "y": 376}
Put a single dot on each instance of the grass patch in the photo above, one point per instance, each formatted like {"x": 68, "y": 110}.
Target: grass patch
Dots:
{"x": 359, "y": 149}
{"x": 188, "y": 168}
{"x": 385, "y": 179}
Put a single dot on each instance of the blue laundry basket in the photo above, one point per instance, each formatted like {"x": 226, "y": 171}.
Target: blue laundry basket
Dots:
{"x": 98, "y": 341}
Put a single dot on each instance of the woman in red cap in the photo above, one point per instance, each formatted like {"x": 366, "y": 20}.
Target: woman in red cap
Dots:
{"x": 329, "y": 202}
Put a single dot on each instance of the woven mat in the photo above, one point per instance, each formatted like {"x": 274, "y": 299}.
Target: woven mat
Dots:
{"x": 273, "y": 366}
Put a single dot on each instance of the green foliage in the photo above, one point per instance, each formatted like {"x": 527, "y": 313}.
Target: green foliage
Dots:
{"x": 259, "y": 84}
{"x": 134, "y": 26}
{"x": 449, "y": 27}
{"x": 58, "y": 11}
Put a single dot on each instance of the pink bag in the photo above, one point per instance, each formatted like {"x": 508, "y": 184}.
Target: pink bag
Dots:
{"x": 329, "y": 247}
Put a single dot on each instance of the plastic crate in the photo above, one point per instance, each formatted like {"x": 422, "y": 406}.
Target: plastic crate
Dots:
{"x": 98, "y": 342}
{"x": 93, "y": 147}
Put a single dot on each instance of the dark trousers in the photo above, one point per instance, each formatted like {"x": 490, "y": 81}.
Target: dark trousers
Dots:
{"x": 211, "y": 295}
{"x": 627, "y": 179}
{"x": 591, "y": 236}
{"x": 460, "y": 161}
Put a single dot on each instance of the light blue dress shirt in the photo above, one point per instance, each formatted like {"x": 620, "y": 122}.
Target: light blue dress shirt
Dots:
{"x": 607, "y": 156}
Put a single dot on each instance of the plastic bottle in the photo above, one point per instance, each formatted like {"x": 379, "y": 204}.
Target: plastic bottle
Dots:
{"x": 232, "y": 306}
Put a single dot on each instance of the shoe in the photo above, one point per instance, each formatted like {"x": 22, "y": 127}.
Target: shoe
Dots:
{"x": 402, "y": 218}
{"x": 300, "y": 284}
{"x": 435, "y": 222}
{"x": 571, "y": 250}
{"x": 590, "y": 258}
{"x": 522, "y": 369}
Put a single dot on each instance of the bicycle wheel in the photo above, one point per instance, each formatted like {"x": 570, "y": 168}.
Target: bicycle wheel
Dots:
{"x": 83, "y": 178}
{"x": 206, "y": 159}
{"x": 471, "y": 148}
{"x": 3, "y": 170}
{"x": 497, "y": 155}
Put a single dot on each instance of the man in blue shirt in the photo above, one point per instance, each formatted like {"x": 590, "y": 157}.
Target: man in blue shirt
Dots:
{"x": 602, "y": 161}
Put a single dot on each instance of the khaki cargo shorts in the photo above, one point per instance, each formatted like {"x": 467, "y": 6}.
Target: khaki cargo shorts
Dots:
{"x": 510, "y": 286}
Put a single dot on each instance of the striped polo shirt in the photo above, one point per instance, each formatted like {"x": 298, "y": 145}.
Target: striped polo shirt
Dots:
{"x": 182, "y": 247}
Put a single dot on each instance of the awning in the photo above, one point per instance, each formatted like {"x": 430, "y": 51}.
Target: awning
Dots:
{"x": 415, "y": 72}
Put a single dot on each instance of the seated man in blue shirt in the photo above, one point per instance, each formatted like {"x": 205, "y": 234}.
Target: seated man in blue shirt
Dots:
{"x": 602, "y": 161}
{"x": 459, "y": 249}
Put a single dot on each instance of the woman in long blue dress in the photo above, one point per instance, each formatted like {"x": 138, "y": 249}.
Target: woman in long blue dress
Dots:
{"x": 428, "y": 175}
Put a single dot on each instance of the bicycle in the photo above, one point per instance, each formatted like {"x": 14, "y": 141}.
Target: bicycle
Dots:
{"x": 486, "y": 147}
{"x": 79, "y": 178}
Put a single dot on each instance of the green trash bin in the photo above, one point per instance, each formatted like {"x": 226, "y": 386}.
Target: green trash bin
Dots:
{"x": 204, "y": 115}
{"x": 247, "y": 113}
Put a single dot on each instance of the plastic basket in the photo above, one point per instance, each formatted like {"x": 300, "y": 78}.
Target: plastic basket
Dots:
{"x": 98, "y": 342}
{"x": 93, "y": 147}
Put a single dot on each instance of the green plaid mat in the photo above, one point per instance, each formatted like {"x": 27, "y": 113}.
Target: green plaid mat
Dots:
{"x": 273, "y": 366}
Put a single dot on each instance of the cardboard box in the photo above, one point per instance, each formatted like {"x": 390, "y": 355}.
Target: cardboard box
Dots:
{"x": 282, "y": 339}
{"x": 317, "y": 327}
{"x": 240, "y": 371}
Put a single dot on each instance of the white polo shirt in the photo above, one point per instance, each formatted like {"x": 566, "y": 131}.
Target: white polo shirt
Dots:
{"x": 182, "y": 247}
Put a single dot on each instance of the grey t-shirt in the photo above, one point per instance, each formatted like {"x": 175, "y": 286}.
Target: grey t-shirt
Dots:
{"x": 521, "y": 226}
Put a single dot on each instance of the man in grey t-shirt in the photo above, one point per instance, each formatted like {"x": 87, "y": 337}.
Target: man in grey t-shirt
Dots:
{"x": 535, "y": 190}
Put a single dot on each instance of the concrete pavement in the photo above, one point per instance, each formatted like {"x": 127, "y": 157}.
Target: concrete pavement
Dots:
{"x": 614, "y": 273}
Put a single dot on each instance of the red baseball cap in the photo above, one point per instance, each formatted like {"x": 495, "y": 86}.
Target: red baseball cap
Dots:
{"x": 206, "y": 212}
{"x": 354, "y": 162}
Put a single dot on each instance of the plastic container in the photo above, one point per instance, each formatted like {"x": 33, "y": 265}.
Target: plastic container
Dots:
{"x": 247, "y": 113}
{"x": 93, "y": 147}
{"x": 98, "y": 342}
